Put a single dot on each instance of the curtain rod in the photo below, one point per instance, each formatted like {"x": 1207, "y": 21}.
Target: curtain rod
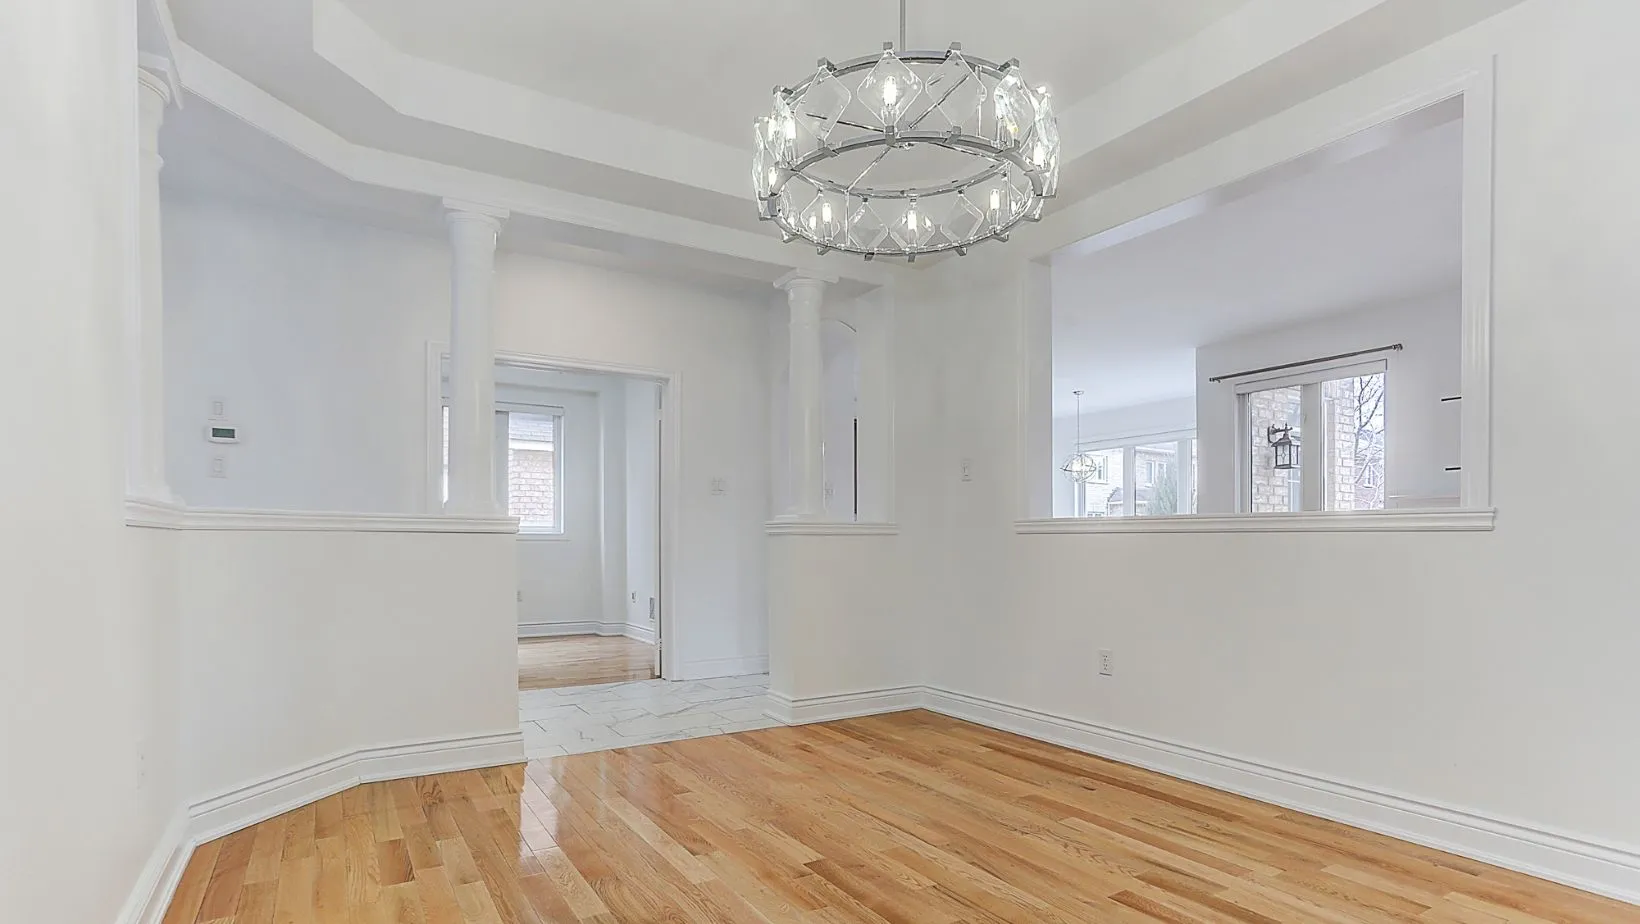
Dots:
{"x": 1308, "y": 362}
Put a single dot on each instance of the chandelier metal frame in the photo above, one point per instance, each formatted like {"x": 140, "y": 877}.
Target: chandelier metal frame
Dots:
{"x": 1023, "y": 161}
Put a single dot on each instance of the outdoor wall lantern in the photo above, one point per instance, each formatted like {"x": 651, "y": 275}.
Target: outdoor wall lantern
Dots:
{"x": 1285, "y": 447}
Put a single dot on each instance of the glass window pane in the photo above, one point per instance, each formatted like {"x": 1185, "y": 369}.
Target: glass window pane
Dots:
{"x": 532, "y": 470}
{"x": 1156, "y": 480}
{"x": 1271, "y": 489}
{"x": 1353, "y": 413}
{"x": 1093, "y": 496}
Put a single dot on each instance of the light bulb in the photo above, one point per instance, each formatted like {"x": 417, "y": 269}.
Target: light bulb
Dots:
{"x": 911, "y": 218}
{"x": 811, "y": 222}
{"x": 789, "y": 126}
{"x": 1039, "y": 156}
{"x": 772, "y": 177}
{"x": 996, "y": 200}
{"x": 891, "y": 92}
{"x": 825, "y": 212}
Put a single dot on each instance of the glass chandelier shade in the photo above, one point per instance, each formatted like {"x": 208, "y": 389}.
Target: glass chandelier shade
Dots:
{"x": 906, "y": 153}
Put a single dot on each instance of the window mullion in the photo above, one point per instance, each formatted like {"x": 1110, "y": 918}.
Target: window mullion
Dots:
{"x": 1129, "y": 481}
{"x": 1312, "y": 448}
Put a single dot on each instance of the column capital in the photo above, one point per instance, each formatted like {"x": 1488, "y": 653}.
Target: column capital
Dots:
{"x": 802, "y": 278}
{"x": 154, "y": 75}
{"x": 461, "y": 210}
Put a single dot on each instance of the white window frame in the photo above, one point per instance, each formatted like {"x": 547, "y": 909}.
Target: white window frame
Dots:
{"x": 504, "y": 445}
{"x": 439, "y": 472}
{"x": 1128, "y": 444}
{"x": 1311, "y": 465}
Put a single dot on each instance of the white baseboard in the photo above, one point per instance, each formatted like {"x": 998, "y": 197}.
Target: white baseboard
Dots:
{"x": 159, "y": 877}
{"x": 557, "y": 629}
{"x": 812, "y": 709}
{"x": 239, "y": 808}
{"x": 707, "y": 668}
{"x": 1605, "y": 868}
{"x": 1608, "y": 869}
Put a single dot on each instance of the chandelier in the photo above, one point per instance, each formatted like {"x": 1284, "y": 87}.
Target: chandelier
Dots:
{"x": 906, "y": 153}
{"x": 1080, "y": 466}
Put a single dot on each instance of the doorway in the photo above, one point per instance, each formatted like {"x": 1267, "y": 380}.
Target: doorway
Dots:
{"x": 584, "y": 461}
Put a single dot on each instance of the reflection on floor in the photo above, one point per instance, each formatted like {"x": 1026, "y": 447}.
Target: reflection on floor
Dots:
{"x": 578, "y": 660}
{"x": 905, "y": 818}
{"x": 581, "y": 719}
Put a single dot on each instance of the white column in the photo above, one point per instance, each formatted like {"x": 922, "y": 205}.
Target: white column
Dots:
{"x": 805, "y": 421}
{"x": 473, "y": 230}
{"x": 145, "y": 328}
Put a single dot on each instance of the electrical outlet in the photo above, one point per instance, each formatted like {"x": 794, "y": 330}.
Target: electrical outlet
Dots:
{"x": 1107, "y": 662}
{"x": 219, "y": 466}
{"x": 521, "y": 596}
{"x": 967, "y": 469}
{"x": 634, "y": 596}
{"x": 651, "y": 609}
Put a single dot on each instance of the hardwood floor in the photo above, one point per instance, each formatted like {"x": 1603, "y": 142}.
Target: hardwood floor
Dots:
{"x": 579, "y": 660}
{"x": 909, "y": 818}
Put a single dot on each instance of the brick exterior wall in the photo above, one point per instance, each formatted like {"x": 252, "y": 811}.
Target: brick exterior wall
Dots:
{"x": 1274, "y": 490}
{"x": 531, "y": 491}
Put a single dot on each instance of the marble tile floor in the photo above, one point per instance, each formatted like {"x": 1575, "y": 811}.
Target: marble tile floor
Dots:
{"x": 579, "y": 720}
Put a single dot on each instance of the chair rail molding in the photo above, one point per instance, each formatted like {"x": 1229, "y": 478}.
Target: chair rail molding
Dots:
{"x": 156, "y": 515}
{"x": 1367, "y": 521}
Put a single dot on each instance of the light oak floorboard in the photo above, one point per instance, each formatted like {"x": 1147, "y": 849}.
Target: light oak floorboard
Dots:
{"x": 910, "y": 818}
{"x": 582, "y": 660}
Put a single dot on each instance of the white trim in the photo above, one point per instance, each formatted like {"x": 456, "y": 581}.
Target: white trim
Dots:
{"x": 708, "y": 668}
{"x": 821, "y": 528}
{"x": 1478, "y": 91}
{"x": 170, "y": 516}
{"x": 637, "y": 633}
{"x": 1603, "y": 867}
{"x": 560, "y": 629}
{"x": 543, "y": 537}
{"x": 160, "y": 875}
{"x": 239, "y": 808}
{"x": 1362, "y": 521}
{"x": 830, "y": 708}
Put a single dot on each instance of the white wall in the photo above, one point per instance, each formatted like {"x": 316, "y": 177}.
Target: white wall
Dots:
{"x": 715, "y": 346}
{"x": 302, "y": 645}
{"x": 1421, "y": 435}
{"x": 642, "y": 476}
{"x": 89, "y": 779}
{"x": 561, "y": 578}
{"x": 1482, "y": 672}
{"x": 314, "y": 332}
{"x": 1172, "y": 415}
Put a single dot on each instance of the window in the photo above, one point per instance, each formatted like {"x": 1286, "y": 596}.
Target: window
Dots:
{"x": 1336, "y": 418}
{"x": 1158, "y": 486}
{"x": 529, "y": 467}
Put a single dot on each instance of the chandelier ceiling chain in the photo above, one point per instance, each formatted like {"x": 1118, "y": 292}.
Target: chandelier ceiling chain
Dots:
{"x": 906, "y": 153}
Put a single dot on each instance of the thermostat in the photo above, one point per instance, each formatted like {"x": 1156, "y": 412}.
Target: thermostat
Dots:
{"x": 218, "y": 434}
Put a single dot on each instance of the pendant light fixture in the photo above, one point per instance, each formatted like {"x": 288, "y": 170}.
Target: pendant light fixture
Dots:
{"x": 904, "y": 153}
{"x": 1080, "y": 467}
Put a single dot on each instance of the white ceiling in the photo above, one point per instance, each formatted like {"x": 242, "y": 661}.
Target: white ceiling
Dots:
{"x": 629, "y": 119}
{"x": 707, "y": 66}
{"x": 1378, "y": 228}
